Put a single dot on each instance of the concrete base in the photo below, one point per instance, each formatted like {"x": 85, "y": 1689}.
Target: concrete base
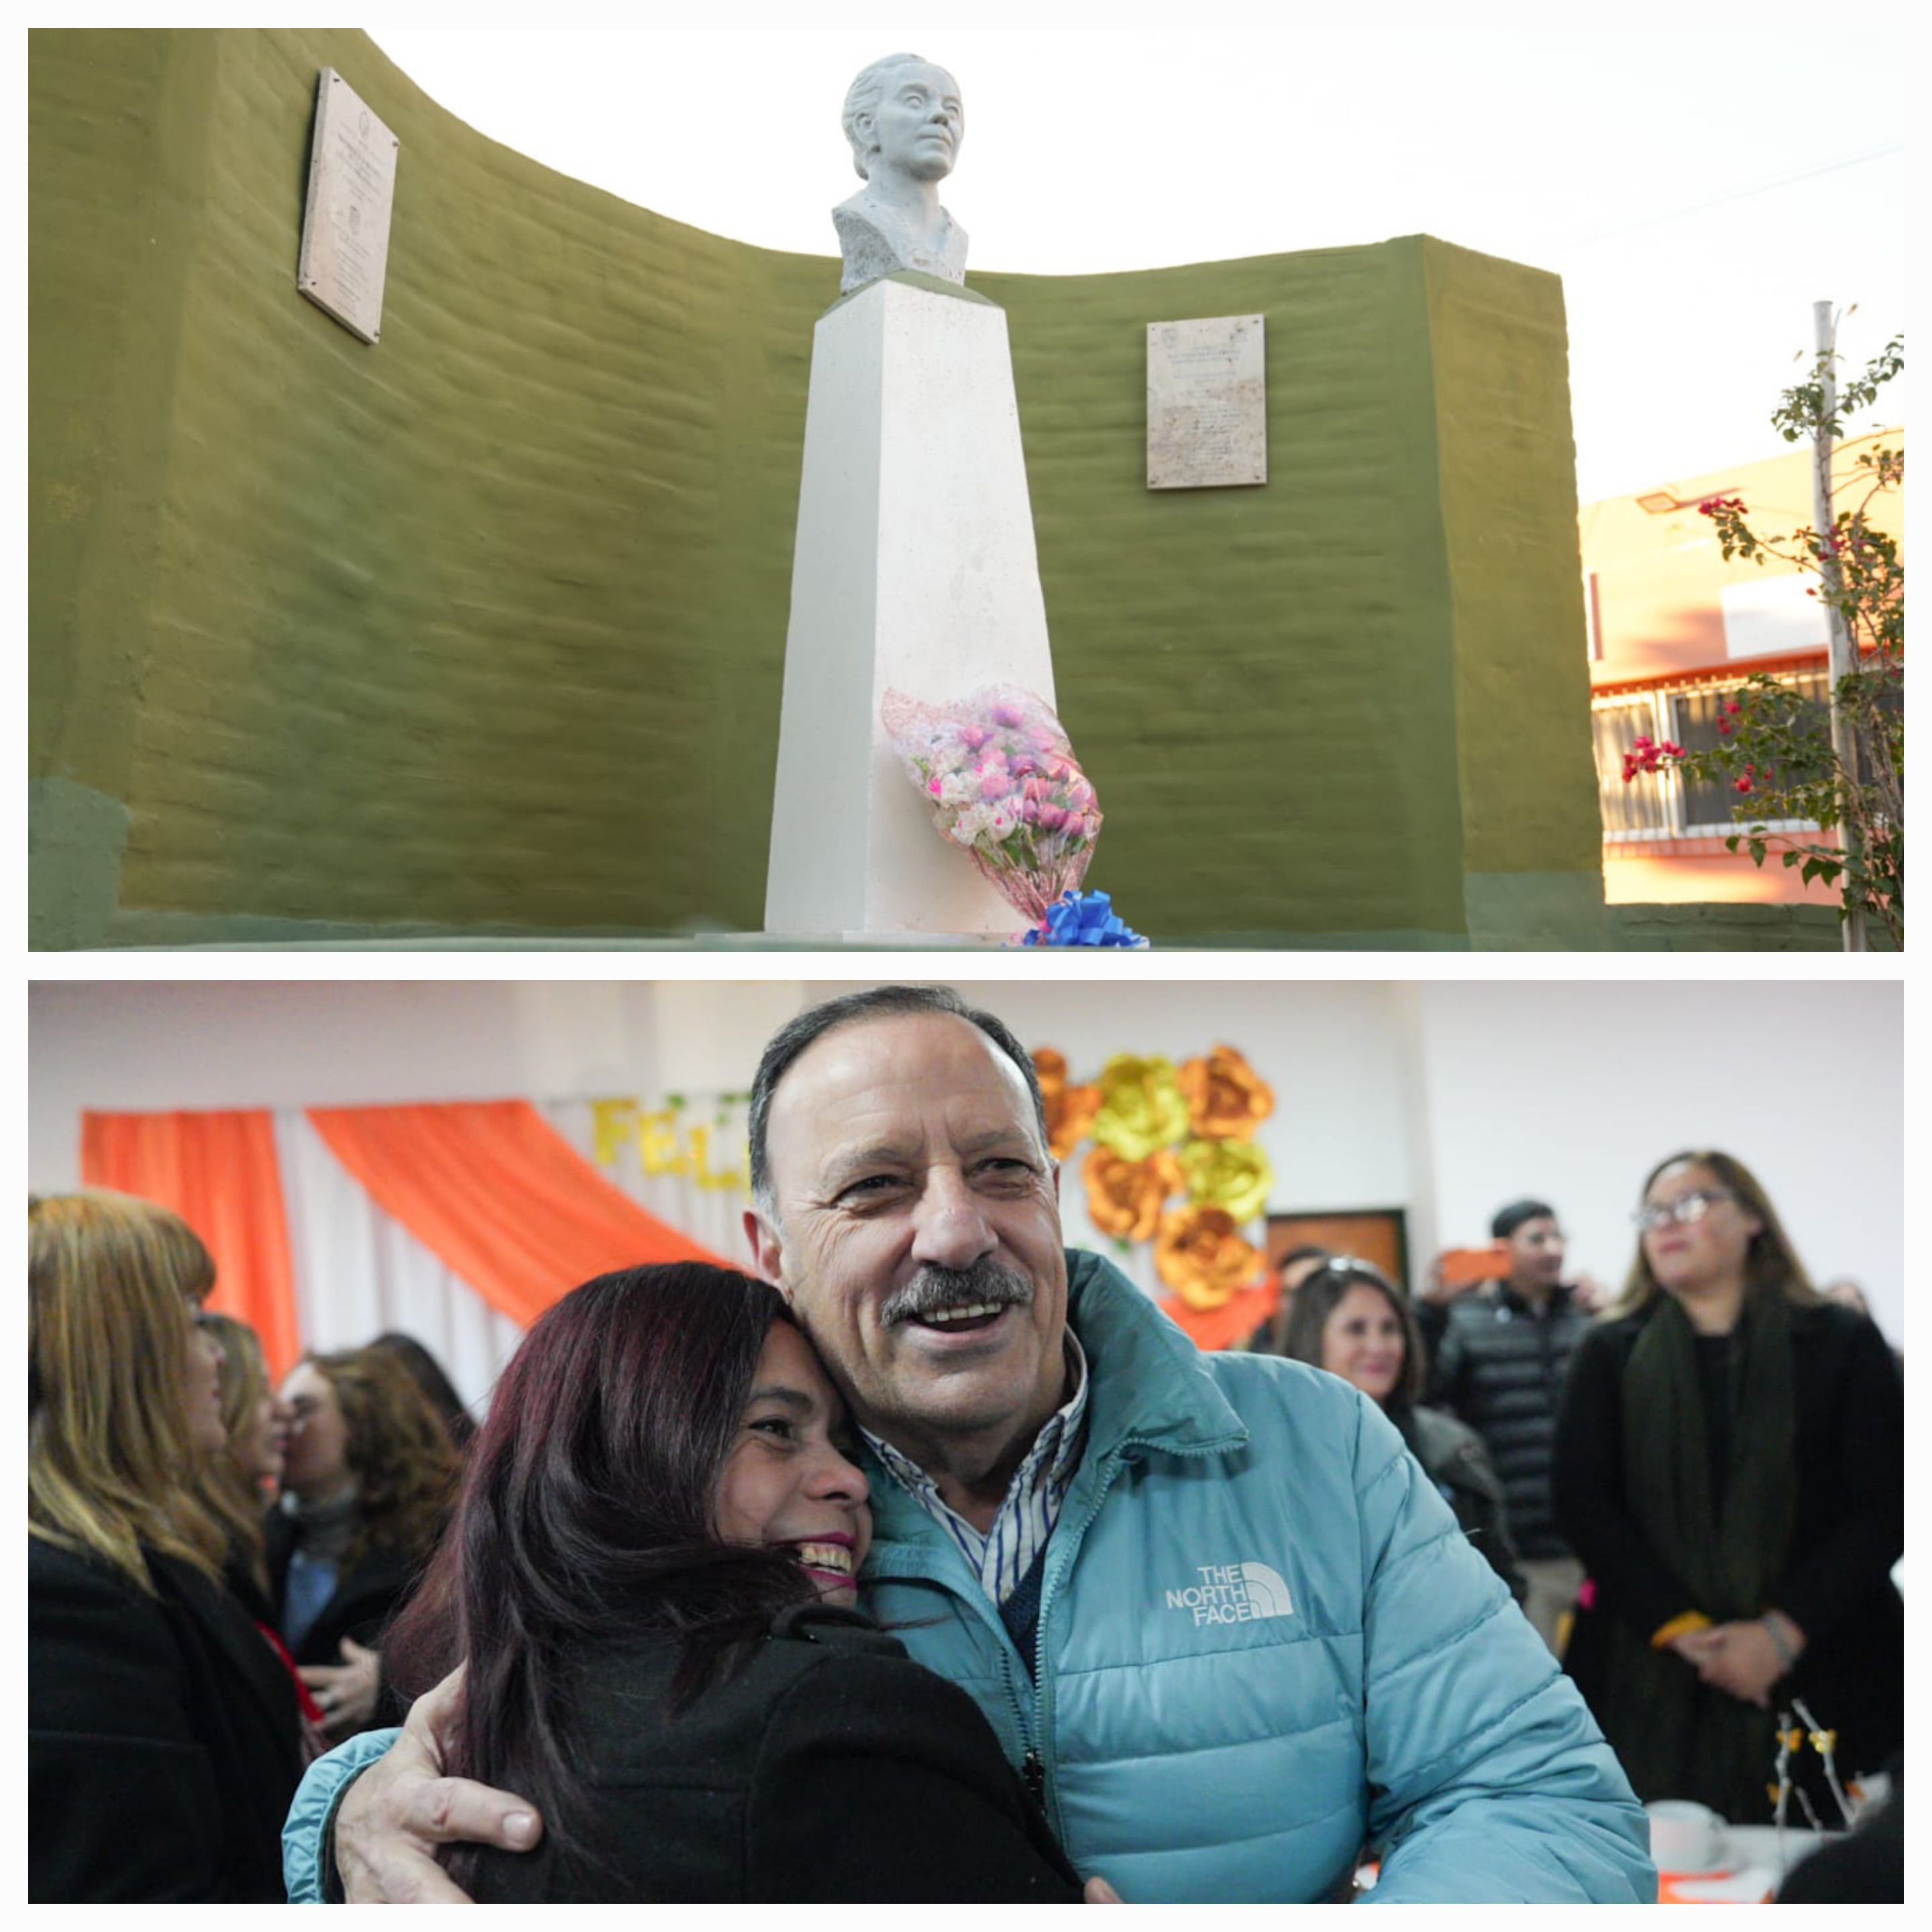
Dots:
{"x": 914, "y": 570}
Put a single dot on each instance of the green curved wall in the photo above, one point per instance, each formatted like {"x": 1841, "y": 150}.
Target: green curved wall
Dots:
{"x": 480, "y": 630}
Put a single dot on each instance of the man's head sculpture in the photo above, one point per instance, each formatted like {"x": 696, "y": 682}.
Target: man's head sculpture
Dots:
{"x": 885, "y": 116}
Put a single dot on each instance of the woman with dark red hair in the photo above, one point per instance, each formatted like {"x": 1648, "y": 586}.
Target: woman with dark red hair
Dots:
{"x": 652, "y": 1574}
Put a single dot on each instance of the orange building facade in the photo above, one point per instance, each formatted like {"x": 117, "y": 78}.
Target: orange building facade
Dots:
{"x": 1673, "y": 630}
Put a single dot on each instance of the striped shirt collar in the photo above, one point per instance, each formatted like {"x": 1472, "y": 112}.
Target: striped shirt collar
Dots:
{"x": 1003, "y": 1556}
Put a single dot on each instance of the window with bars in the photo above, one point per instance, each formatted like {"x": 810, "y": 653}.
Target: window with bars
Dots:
{"x": 1658, "y": 806}
{"x": 1641, "y": 809}
{"x": 1715, "y": 807}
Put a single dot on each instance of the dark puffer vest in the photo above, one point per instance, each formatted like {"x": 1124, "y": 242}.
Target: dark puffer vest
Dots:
{"x": 1499, "y": 1366}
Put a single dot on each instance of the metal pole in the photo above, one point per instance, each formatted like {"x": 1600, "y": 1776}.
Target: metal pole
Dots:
{"x": 1844, "y": 657}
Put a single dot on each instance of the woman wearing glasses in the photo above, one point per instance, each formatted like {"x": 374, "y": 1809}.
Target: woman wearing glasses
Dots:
{"x": 1730, "y": 1465}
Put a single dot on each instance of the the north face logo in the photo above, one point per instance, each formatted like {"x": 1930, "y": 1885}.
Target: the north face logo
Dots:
{"x": 1233, "y": 1593}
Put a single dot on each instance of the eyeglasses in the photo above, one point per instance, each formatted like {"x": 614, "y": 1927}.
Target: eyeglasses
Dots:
{"x": 1691, "y": 1206}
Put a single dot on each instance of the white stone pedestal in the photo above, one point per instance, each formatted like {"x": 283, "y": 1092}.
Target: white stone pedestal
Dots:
{"x": 914, "y": 570}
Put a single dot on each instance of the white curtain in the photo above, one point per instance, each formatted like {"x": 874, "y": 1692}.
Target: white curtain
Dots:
{"x": 358, "y": 1272}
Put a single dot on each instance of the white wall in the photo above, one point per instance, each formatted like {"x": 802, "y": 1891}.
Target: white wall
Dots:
{"x": 1572, "y": 1092}
{"x": 1446, "y": 1098}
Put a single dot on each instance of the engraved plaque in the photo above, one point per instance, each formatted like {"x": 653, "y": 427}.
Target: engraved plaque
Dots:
{"x": 1206, "y": 403}
{"x": 352, "y": 184}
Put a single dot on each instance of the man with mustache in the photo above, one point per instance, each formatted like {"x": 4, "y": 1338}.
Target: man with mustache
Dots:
{"x": 1215, "y": 1614}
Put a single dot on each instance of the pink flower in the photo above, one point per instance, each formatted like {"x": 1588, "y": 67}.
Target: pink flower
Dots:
{"x": 937, "y": 786}
{"x": 1010, "y": 715}
{"x": 976, "y": 737}
{"x": 995, "y": 782}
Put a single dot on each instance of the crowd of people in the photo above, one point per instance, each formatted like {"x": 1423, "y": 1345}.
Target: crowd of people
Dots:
{"x": 211, "y": 1560}
{"x": 1695, "y": 1488}
{"x": 744, "y": 1583}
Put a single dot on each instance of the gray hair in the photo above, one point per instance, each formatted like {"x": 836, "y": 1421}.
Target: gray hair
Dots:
{"x": 875, "y": 1002}
{"x": 863, "y": 96}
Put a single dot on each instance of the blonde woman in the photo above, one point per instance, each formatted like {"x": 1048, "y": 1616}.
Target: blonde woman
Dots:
{"x": 164, "y": 1743}
{"x": 1729, "y": 1465}
{"x": 241, "y": 1480}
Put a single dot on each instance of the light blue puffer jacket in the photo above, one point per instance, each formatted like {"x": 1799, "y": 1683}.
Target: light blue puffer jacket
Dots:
{"x": 1263, "y": 1639}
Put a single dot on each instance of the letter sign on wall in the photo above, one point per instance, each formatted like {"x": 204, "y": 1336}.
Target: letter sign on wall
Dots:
{"x": 351, "y": 184}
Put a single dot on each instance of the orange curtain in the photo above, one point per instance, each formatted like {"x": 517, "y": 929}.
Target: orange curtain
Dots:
{"x": 218, "y": 1171}
{"x": 504, "y": 1200}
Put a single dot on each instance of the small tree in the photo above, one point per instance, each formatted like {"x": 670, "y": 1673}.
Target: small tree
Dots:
{"x": 1776, "y": 747}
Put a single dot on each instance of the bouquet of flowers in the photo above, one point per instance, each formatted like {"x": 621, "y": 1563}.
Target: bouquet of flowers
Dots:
{"x": 1001, "y": 779}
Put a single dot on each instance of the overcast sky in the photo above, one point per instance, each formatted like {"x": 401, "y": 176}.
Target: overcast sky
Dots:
{"x": 1697, "y": 189}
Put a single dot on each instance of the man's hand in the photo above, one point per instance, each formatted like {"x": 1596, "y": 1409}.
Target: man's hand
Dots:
{"x": 1100, "y": 1892}
{"x": 346, "y": 1693}
{"x": 1438, "y": 1292}
{"x": 1589, "y": 1293}
{"x": 396, "y": 1813}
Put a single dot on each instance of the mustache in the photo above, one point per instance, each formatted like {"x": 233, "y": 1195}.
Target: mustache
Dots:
{"x": 933, "y": 1288}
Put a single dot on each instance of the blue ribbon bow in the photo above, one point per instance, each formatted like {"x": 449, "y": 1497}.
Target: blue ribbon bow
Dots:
{"x": 1083, "y": 918}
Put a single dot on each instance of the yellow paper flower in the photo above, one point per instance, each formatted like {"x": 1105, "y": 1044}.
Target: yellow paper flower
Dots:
{"x": 1142, "y": 1109}
{"x": 1200, "y": 1255}
{"x": 1069, "y": 1110}
{"x": 1234, "y": 1175}
{"x": 1226, "y": 1098}
{"x": 1124, "y": 1197}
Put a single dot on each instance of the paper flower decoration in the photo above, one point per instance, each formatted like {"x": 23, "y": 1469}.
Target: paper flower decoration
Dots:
{"x": 998, "y": 773}
{"x": 1069, "y": 1109}
{"x": 1141, "y": 1108}
{"x": 1227, "y": 1099}
{"x": 1124, "y": 1197}
{"x": 1235, "y": 1175}
{"x": 1201, "y": 1255}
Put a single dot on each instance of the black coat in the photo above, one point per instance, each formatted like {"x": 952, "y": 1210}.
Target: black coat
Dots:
{"x": 831, "y": 1768}
{"x": 1499, "y": 1366}
{"x": 1454, "y": 1459}
{"x": 163, "y": 1745}
{"x": 1850, "y": 1526}
{"x": 364, "y": 1601}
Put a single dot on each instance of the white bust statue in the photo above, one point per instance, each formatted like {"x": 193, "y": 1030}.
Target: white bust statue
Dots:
{"x": 904, "y": 119}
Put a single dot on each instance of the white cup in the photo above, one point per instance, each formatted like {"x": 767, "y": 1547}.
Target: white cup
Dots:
{"x": 1684, "y": 1837}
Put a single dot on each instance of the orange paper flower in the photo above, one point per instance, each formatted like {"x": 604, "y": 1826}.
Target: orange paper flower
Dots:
{"x": 1200, "y": 1255}
{"x": 1069, "y": 1110}
{"x": 1226, "y": 1098}
{"x": 1124, "y": 1197}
